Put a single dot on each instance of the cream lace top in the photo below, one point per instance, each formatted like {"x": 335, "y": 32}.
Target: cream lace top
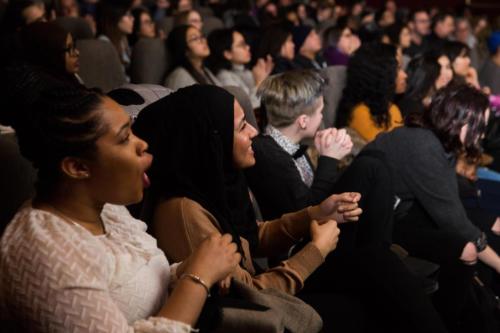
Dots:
{"x": 57, "y": 277}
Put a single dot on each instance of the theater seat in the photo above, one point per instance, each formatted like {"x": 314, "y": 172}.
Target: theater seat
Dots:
{"x": 77, "y": 26}
{"x": 149, "y": 62}
{"x": 336, "y": 78}
{"x": 17, "y": 177}
{"x": 211, "y": 23}
{"x": 100, "y": 65}
{"x": 166, "y": 24}
{"x": 245, "y": 103}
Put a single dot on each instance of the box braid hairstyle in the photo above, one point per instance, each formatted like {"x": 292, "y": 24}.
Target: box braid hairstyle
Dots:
{"x": 52, "y": 120}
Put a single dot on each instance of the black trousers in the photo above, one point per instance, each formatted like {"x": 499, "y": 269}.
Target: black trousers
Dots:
{"x": 382, "y": 294}
{"x": 421, "y": 238}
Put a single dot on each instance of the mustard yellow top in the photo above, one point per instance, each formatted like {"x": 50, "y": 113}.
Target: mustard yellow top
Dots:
{"x": 363, "y": 123}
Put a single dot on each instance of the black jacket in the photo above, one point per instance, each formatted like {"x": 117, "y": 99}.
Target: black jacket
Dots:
{"x": 276, "y": 183}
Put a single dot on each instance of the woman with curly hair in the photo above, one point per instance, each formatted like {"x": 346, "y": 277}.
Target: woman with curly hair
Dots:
{"x": 374, "y": 76}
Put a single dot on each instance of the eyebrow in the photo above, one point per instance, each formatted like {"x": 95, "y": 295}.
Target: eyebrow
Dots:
{"x": 242, "y": 121}
{"x": 124, "y": 127}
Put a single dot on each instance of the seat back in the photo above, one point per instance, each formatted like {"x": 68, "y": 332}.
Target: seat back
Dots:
{"x": 100, "y": 65}
{"x": 149, "y": 61}
{"x": 245, "y": 103}
{"x": 211, "y": 23}
{"x": 17, "y": 178}
{"x": 166, "y": 24}
{"x": 77, "y": 26}
{"x": 336, "y": 80}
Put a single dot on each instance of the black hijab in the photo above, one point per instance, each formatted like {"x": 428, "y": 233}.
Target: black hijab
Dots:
{"x": 190, "y": 134}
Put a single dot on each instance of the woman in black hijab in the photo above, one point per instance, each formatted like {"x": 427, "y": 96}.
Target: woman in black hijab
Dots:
{"x": 201, "y": 143}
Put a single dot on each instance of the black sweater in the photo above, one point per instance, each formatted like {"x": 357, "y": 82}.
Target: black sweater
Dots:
{"x": 276, "y": 183}
{"x": 424, "y": 172}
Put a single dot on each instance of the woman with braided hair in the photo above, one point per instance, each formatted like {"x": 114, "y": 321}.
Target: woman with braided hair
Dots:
{"x": 73, "y": 259}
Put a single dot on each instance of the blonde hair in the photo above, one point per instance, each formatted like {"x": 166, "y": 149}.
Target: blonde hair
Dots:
{"x": 288, "y": 95}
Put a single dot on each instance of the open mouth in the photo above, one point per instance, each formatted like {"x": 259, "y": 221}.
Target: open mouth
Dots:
{"x": 145, "y": 178}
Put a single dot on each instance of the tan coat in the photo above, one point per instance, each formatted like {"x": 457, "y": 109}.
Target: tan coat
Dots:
{"x": 180, "y": 224}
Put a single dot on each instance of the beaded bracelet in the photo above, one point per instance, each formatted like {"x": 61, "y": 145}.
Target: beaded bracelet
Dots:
{"x": 198, "y": 280}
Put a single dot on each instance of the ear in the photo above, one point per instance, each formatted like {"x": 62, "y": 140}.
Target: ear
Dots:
{"x": 228, "y": 55}
{"x": 75, "y": 168}
{"x": 302, "y": 121}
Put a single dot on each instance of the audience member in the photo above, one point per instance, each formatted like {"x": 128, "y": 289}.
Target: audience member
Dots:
{"x": 189, "y": 50}
{"x": 189, "y": 17}
{"x": 426, "y": 75}
{"x": 458, "y": 53}
{"x": 307, "y": 48}
{"x": 419, "y": 25}
{"x": 53, "y": 49}
{"x": 114, "y": 23}
{"x": 202, "y": 191}
{"x": 374, "y": 76}
{"x": 143, "y": 27}
{"x": 277, "y": 41}
{"x": 73, "y": 258}
{"x": 443, "y": 26}
{"x": 490, "y": 73}
{"x": 229, "y": 54}
{"x": 430, "y": 220}
{"x": 339, "y": 44}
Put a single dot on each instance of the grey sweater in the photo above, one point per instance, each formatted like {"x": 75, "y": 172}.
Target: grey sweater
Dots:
{"x": 424, "y": 172}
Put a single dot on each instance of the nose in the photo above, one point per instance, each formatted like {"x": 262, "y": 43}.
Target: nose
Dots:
{"x": 253, "y": 131}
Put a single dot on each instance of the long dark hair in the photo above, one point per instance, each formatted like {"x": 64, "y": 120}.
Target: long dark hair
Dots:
{"x": 178, "y": 46}
{"x": 454, "y": 49}
{"x": 423, "y": 71}
{"x": 273, "y": 38}
{"x": 219, "y": 41}
{"x": 108, "y": 14}
{"x": 453, "y": 107}
{"x": 137, "y": 13}
{"x": 371, "y": 80}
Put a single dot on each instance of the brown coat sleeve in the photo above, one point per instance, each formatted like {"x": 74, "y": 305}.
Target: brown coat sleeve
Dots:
{"x": 181, "y": 224}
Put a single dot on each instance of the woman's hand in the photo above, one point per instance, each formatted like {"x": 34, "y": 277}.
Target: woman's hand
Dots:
{"x": 333, "y": 143}
{"x": 262, "y": 69}
{"x": 214, "y": 260}
{"x": 325, "y": 236}
{"x": 339, "y": 207}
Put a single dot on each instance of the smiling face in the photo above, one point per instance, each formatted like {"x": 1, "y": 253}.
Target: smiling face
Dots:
{"x": 243, "y": 156}
{"x": 117, "y": 170}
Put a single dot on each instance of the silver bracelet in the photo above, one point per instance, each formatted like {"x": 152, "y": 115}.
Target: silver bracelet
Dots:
{"x": 198, "y": 280}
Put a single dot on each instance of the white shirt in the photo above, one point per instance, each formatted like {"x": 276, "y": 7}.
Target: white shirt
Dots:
{"x": 57, "y": 276}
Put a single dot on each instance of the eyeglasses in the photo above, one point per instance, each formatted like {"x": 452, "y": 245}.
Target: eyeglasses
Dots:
{"x": 71, "y": 50}
{"x": 197, "y": 39}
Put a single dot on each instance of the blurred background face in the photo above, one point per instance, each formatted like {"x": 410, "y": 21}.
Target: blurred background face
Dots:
{"x": 71, "y": 56}
{"x": 147, "y": 26}
{"x": 405, "y": 38}
{"x": 288, "y": 49}
{"x": 126, "y": 23}
{"x": 34, "y": 13}
{"x": 70, "y": 8}
{"x": 461, "y": 64}
{"x": 184, "y": 5}
{"x": 446, "y": 27}
{"x": 312, "y": 43}
{"x": 401, "y": 75}
{"x": 445, "y": 74}
{"x": 194, "y": 19}
{"x": 197, "y": 44}
{"x": 462, "y": 31}
{"x": 240, "y": 50}
{"x": 422, "y": 23}
{"x": 348, "y": 42}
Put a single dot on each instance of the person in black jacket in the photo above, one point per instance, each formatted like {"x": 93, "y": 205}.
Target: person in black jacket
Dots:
{"x": 283, "y": 178}
{"x": 430, "y": 220}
